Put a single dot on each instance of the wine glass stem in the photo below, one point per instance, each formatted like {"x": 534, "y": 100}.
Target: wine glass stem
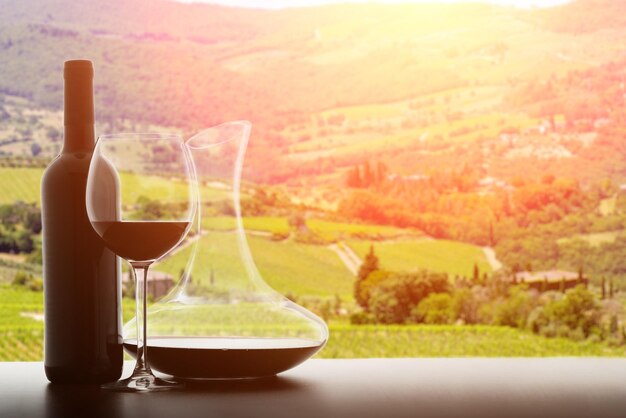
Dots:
{"x": 141, "y": 306}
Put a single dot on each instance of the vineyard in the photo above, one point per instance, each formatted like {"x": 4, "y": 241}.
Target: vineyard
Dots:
{"x": 21, "y": 337}
{"x": 22, "y": 344}
{"x": 19, "y": 184}
{"x": 347, "y": 341}
{"x": 362, "y": 341}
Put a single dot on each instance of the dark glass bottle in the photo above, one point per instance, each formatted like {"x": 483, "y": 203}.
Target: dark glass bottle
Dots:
{"x": 82, "y": 289}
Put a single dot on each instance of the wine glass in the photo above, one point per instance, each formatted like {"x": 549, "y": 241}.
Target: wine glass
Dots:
{"x": 154, "y": 180}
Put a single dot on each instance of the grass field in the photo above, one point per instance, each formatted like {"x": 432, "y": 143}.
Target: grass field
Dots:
{"x": 288, "y": 267}
{"x": 254, "y": 223}
{"x": 594, "y": 239}
{"x": 341, "y": 230}
{"x": 476, "y": 126}
{"x": 17, "y": 304}
{"x": 24, "y": 184}
{"x": 19, "y": 184}
{"x": 450, "y": 257}
{"x": 329, "y": 230}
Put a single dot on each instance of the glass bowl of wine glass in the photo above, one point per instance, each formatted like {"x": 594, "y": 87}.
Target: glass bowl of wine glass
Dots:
{"x": 153, "y": 180}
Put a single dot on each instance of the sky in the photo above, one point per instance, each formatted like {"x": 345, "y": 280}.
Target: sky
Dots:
{"x": 279, "y": 4}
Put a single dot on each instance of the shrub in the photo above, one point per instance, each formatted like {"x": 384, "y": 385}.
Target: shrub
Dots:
{"x": 575, "y": 316}
{"x": 309, "y": 237}
{"x": 436, "y": 308}
{"x": 577, "y": 310}
{"x": 24, "y": 242}
{"x": 21, "y": 278}
{"x": 27, "y": 280}
{"x": 465, "y": 306}
{"x": 515, "y": 309}
{"x": 362, "y": 318}
{"x": 36, "y": 285}
{"x": 279, "y": 236}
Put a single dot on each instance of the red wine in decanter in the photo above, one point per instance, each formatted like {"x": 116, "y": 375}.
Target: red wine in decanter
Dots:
{"x": 225, "y": 358}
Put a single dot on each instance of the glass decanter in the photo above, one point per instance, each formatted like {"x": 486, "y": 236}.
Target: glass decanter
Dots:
{"x": 221, "y": 320}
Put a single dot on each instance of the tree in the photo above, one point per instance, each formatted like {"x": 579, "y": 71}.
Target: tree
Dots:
{"x": 476, "y": 274}
{"x": 353, "y": 177}
{"x": 370, "y": 264}
{"x": 381, "y": 174}
{"x": 53, "y": 134}
{"x": 35, "y": 149}
{"x": 368, "y": 175}
{"x": 581, "y": 278}
{"x": 393, "y": 300}
{"x": 603, "y": 285}
{"x": 32, "y": 219}
{"x": 24, "y": 242}
{"x": 297, "y": 221}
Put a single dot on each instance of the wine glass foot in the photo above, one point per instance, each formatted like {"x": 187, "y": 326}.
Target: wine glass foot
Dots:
{"x": 142, "y": 383}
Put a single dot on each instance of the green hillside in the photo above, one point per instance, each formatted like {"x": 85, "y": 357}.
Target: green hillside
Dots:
{"x": 288, "y": 267}
{"x": 19, "y": 184}
{"x": 321, "y": 90}
{"x": 444, "y": 256}
{"x": 24, "y": 184}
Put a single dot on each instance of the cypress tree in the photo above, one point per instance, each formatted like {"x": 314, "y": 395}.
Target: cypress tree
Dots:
{"x": 476, "y": 274}
{"x": 369, "y": 265}
{"x": 603, "y": 288}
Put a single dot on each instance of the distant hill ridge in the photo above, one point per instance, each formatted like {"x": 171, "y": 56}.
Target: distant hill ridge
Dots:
{"x": 288, "y": 71}
{"x": 583, "y": 16}
{"x": 182, "y": 57}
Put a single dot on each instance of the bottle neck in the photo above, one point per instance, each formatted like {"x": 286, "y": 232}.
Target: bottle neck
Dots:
{"x": 78, "y": 138}
{"x": 78, "y": 107}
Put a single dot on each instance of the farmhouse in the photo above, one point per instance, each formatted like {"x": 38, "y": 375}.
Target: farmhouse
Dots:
{"x": 550, "y": 280}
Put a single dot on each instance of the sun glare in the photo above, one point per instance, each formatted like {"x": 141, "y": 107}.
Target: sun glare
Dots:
{"x": 279, "y": 4}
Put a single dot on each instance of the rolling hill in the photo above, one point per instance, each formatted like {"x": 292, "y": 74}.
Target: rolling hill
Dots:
{"x": 322, "y": 91}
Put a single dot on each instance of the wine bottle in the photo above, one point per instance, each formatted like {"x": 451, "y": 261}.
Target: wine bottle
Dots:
{"x": 82, "y": 288}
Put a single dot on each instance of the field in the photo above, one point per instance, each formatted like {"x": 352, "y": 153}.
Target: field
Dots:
{"x": 340, "y": 230}
{"x": 288, "y": 267}
{"x": 21, "y": 337}
{"x": 444, "y": 256}
{"x": 24, "y": 183}
{"x": 328, "y": 230}
{"x": 353, "y": 129}
{"x": 255, "y": 223}
{"x": 594, "y": 239}
{"x": 451, "y": 341}
{"x": 19, "y": 184}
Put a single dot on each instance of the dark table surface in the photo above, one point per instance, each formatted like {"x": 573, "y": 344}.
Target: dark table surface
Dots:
{"x": 483, "y": 388}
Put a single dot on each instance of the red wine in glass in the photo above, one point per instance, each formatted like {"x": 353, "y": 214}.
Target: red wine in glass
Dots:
{"x": 143, "y": 229}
